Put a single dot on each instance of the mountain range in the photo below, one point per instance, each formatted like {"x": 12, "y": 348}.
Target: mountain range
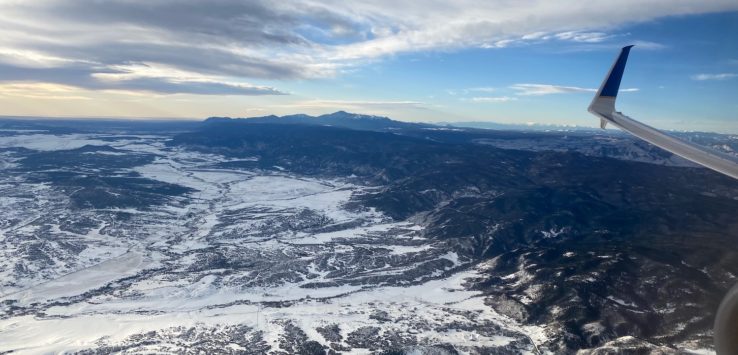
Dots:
{"x": 346, "y": 233}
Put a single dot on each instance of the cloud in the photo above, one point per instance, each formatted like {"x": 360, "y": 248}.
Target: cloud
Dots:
{"x": 720, "y": 76}
{"x": 547, "y": 89}
{"x": 470, "y": 90}
{"x": 482, "y": 89}
{"x": 163, "y": 79}
{"x": 648, "y": 45}
{"x": 612, "y": 45}
{"x": 230, "y": 42}
{"x": 494, "y": 24}
{"x": 587, "y": 37}
{"x": 137, "y": 77}
{"x": 490, "y": 99}
{"x": 357, "y": 104}
{"x": 41, "y": 91}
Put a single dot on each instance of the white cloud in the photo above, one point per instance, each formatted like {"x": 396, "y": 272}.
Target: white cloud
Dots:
{"x": 588, "y": 37}
{"x": 466, "y": 91}
{"x": 547, "y": 89}
{"x": 482, "y": 89}
{"x": 498, "y": 44}
{"x": 612, "y": 45}
{"x": 494, "y": 24}
{"x": 41, "y": 91}
{"x": 534, "y": 36}
{"x": 356, "y": 104}
{"x": 648, "y": 45}
{"x": 163, "y": 78}
{"x": 488, "y": 99}
{"x": 33, "y": 59}
{"x": 720, "y": 76}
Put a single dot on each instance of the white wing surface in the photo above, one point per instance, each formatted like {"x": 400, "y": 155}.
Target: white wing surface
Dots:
{"x": 603, "y": 106}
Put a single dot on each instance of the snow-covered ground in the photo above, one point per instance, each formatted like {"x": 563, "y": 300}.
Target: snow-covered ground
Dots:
{"x": 266, "y": 250}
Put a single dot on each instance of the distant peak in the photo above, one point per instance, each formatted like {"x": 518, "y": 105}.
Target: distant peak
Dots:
{"x": 340, "y": 118}
{"x": 217, "y": 119}
{"x": 350, "y": 115}
{"x": 270, "y": 117}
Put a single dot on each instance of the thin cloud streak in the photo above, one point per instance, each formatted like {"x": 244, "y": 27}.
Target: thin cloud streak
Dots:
{"x": 720, "y": 76}
{"x": 547, "y": 89}
{"x": 492, "y": 99}
{"x": 339, "y": 104}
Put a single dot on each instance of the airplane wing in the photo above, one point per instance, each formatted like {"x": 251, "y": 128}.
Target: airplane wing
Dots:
{"x": 603, "y": 106}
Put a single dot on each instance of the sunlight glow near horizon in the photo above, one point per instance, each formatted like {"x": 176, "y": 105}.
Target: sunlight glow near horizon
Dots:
{"x": 439, "y": 62}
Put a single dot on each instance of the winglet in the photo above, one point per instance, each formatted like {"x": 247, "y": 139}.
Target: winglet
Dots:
{"x": 604, "y": 100}
{"x": 611, "y": 85}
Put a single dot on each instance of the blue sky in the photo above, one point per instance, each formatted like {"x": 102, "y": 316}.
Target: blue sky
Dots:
{"x": 518, "y": 62}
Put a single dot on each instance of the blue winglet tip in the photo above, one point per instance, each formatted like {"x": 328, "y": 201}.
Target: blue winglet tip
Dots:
{"x": 612, "y": 85}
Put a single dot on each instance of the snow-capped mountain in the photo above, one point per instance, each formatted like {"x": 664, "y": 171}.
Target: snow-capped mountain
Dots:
{"x": 341, "y": 119}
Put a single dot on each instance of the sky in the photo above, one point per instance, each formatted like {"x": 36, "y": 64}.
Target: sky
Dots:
{"x": 506, "y": 61}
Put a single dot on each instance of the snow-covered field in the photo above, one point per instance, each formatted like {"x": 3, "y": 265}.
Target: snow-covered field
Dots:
{"x": 242, "y": 257}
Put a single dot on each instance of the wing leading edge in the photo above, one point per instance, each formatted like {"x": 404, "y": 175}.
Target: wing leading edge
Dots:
{"x": 603, "y": 106}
